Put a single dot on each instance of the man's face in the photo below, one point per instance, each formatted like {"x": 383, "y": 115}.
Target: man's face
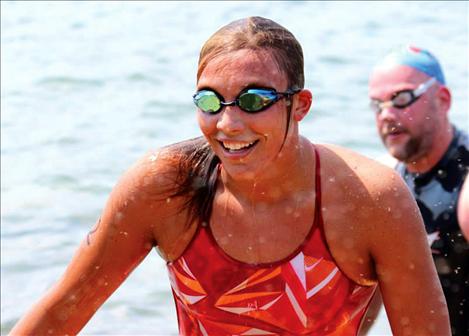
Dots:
{"x": 408, "y": 133}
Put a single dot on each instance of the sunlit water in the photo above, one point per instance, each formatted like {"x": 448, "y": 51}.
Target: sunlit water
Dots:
{"x": 88, "y": 87}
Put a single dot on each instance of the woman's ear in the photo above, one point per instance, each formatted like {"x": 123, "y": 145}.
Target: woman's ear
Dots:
{"x": 304, "y": 99}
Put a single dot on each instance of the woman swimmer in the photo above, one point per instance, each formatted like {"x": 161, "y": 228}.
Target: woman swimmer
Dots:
{"x": 263, "y": 232}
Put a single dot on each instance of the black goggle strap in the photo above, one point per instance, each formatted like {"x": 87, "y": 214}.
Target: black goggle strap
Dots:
{"x": 288, "y": 95}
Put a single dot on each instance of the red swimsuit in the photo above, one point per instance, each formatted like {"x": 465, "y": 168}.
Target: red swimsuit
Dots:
{"x": 303, "y": 294}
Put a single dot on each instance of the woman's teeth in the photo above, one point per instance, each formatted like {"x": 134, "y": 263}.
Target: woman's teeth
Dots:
{"x": 236, "y": 146}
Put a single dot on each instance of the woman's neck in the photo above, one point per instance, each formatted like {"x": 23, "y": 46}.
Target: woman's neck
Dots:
{"x": 292, "y": 172}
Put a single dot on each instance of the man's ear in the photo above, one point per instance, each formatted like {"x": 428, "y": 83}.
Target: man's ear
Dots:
{"x": 444, "y": 98}
{"x": 304, "y": 99}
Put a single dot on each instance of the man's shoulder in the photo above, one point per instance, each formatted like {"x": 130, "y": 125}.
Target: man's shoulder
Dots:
{"x": 462, "y": 137}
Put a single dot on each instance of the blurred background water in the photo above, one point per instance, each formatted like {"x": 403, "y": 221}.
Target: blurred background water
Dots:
{"x": 89, "y": 87}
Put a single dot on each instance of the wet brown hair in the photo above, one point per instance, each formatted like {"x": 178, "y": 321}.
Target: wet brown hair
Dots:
{"x": 198, "y": 163}
{"x": 256, "y": 33}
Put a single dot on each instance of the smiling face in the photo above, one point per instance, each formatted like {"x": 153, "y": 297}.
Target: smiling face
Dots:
{"x": 409, "y": 133}
{"x": 246, "y": 143}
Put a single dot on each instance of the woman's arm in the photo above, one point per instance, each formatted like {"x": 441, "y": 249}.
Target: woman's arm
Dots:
{"x": 112, "y": 249}
{"x": 463, "y": 209}
{"x": 409, "y": 284}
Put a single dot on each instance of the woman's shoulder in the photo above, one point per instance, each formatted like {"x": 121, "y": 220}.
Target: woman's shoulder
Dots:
{"x": 348, "y": 166}
{"x": 161, "y": 167}
{"x": 361, "y": 183}
{"x": 155, "y": 177}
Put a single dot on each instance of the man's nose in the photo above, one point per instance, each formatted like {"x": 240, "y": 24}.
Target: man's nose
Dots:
{"x": 388, "y": 111}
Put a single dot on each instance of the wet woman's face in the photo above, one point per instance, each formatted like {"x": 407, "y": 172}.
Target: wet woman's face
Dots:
{"x": 246, "y": 143}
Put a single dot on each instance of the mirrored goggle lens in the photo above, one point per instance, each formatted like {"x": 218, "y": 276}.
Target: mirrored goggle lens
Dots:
{"x": 403, "y": 99}
{"x": 207, "y": 101}
{"x": 255, "y": 100}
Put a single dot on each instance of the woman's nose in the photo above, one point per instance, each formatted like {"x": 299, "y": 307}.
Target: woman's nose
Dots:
{"x": 230, "y": 120}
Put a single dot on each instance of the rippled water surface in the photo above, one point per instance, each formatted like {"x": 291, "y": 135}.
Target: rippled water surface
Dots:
{"x": 88, "y": 87}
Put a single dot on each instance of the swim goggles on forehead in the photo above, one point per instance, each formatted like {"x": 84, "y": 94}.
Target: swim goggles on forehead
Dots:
{"x": 250, "y": 100}
{"x": 402, "y": 99}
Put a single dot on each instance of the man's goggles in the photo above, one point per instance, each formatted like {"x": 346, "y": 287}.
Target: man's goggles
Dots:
{"x": 251, "y": 100}
{"x": 402, "y": 99}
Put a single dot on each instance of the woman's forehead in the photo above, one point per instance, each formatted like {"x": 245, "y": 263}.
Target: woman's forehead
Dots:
{"x": 250, "y": 66}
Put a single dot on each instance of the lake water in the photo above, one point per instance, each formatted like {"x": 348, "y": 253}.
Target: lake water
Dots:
{"x": 88, "y": 87}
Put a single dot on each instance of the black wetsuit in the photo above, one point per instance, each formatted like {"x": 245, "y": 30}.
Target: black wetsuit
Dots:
{"x": 437, "y": 194}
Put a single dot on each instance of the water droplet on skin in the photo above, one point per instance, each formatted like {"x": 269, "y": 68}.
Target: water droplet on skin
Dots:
{"x": 119, "y": 216}
{"x": 349, "y": 243}
{"x": 124, "y": 233}
{"x": 332, "y": 179}
{"x": 411, "y": 266}
{"x": 361, "y": 261}
{"x": 168, "y": 200}
{"x": 97, "y": 267}
{"x": 249, "y": 248}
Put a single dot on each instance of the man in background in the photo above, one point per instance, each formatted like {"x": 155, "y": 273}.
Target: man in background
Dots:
{"x": 411, "y": 102}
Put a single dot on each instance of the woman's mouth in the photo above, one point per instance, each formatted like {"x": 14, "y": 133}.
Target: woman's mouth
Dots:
{"x": 237, "y": 146}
